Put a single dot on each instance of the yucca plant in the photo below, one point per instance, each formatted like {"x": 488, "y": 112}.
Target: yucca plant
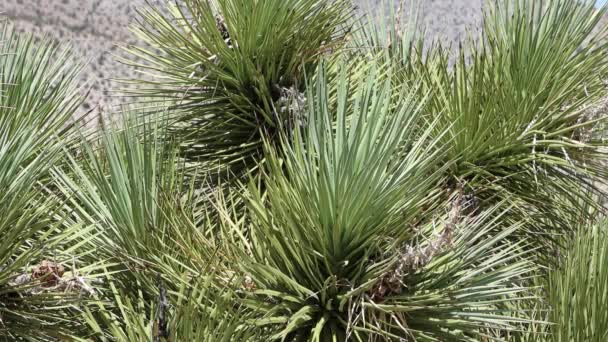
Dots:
{"x": 578, "y": 289}
{"x": 39, "y": 289}
{"x": 127, "y": 185}
{"x": 197, "y": 310}
{"x": 149, "y": 237}
{"x": 234, "y": 70}
{"x": 338, "y": 249}
{"x": 517, "y": 106}
{"x": 293, "y": 179}
{"x": 573, "y": 291}
{"x": 517, "y": 102}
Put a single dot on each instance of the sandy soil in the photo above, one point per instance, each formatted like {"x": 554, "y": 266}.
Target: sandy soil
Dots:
{"x": 96, "y": 27}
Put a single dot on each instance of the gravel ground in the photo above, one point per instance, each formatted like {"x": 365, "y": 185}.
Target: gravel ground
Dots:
{"x": 96, "y": 27}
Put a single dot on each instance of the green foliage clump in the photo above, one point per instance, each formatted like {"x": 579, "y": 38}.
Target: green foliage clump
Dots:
{"x": 232, "y": 68}
{"x": 37, "y": 101}
{"x": 301, "y": 173}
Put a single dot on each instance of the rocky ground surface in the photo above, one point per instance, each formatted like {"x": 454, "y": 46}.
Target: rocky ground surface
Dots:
{"x": 96, "y": 29}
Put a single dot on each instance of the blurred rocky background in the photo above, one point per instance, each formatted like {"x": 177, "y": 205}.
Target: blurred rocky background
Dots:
{"x": 95, "y": 28}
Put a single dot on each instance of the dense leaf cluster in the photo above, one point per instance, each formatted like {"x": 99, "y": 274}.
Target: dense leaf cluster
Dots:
{"x": 297, "y": 172}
